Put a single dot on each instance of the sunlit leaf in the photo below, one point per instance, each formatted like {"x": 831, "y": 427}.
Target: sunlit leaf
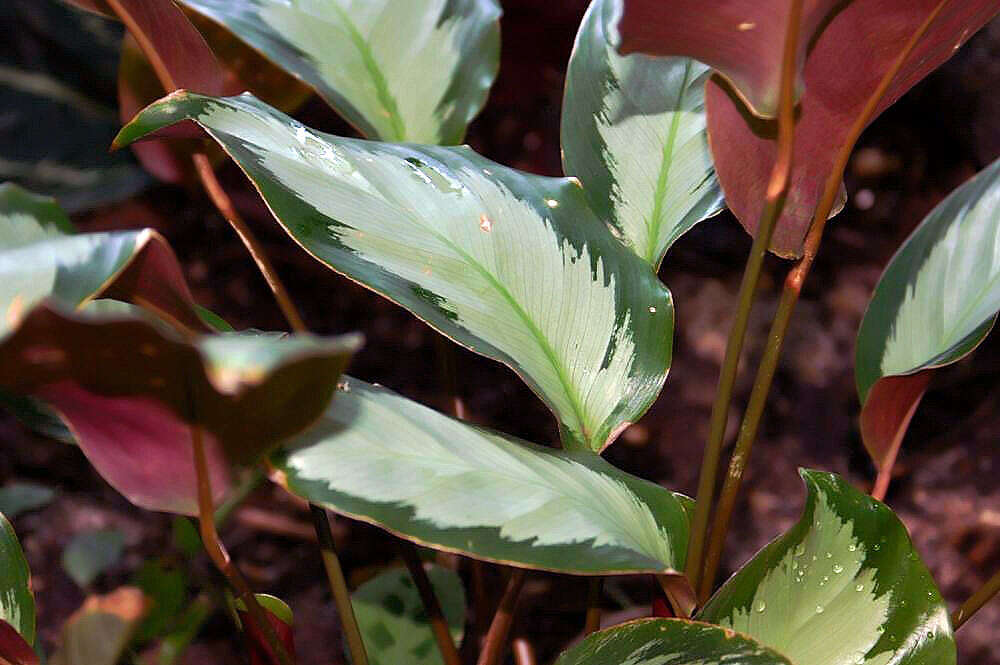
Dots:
{"x": 512, "y": 265}
{"x": 99, "y": 632}
{"x": 393, "y": 621}
{"x": 17, "y": 604}
{"x": 842, "y": 586}
{"x": 91, "y": 553}
{"x": 633, "y": 131}
{"x": 398, "y": 70}
{"x": 935, "y": 303}
{"x": 440, "y": 482}
{"x": 669, "y": 642}
{"x": 22, "y": 497}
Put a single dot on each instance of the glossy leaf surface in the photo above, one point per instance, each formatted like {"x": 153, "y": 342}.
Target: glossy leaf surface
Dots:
{"x": 514, "y": 266}
{"x": 633, "y": 132}
{"x": 393, "y": 622}
{"x": 99, "y": 632}
{"x": 17, "y": 603}
{"x": 398, "y": 70}
{"x": 844, "y": 68}
{"x": 440, "y": 482}
{"x": 935, "y": 302}
{"x": 669, "y": 642}
{"x": 842, "y": 586}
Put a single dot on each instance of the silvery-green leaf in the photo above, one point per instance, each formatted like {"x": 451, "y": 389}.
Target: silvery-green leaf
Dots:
{"x": 935, "y": 303}
{"x": 398, "y": 70}
{"x": 512, "y": 265}
{"x": 17, "y": 604}
{"x": 844, "y": 585}
{"x": 446, "y": 484}
{"x": 633, "y": 131}
{"x": 393, "y": 621}
{"x": 669, "y": 642}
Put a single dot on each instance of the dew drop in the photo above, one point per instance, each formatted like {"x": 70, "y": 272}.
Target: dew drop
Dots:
{"x": 819, "y": 609}
{"x": 837, "y": 568}
{"x": 795, "y": 564}
{"x": 652, "y": 310}
{"x": 859, "y": 587}
{"x": 485, "y": 224}
{"x": 800, "y": 549}
{"x": 930, "y": 634}
{"x": 829, "y": 555}
{"x": 761, "y": 606}
{"x": 876, "y": 547}
{"x": 552, "y": 203}
{"x": 853, "y": 547}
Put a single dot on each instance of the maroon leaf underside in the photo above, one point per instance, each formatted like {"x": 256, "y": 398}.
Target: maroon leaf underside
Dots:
{"x": 13, "y": 648}
{"x": 257, "y": 646}
{"x": 886, "y": 414}
{"x": 842, "y": 71}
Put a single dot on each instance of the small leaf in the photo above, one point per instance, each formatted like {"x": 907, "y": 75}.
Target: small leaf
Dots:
{"x": 279, "y": 614}
{"x": 91, "y": 553}
{"x": 935, "y": 302}
{"x": 424, "y": 88}
{"x": 393, "y": 622}
{"x": 17, "y": 498}
{"x": 842, "y": 586}
{"x": 440, "y": 482}
{"x": 669, "y": 642}
{"x": 99, "y": 632}
{"x": 167, "y": 590}
{"x": 512, "y": 265}
{"x": 17, "y": 603}
{"x": 633, "y": 131}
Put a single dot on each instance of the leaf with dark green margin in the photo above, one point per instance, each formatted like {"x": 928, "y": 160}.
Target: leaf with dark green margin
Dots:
{"x": 669, "y": 642}
{"x": 935, "y": 303}
{"x": 633, "y": 131}
{"x": 91, "y": 553}
{"x": 22, "y": 497}
{"x": 844, "y": 585}
{"x": 512, "y": 265}
{"x": 393, "y": 621}
{"x": 440, "y": 482}
{"x": 398, "y": 70}
{"x": 17, "y": 603}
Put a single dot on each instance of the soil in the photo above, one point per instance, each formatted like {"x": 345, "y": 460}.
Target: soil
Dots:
{"x": 933, "y": 139}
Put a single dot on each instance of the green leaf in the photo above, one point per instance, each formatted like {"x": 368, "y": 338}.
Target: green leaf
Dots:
{"x": 398, "y": 70}
{"x": 440, "y": 482}
{"x": 633, "y": 131}
{"x": 512, "y": 265}
{"x": 393, "y": 622}
{"x": 167, "y": 589}
{"x": 91, "y": 553}
{"x": 842, "y": 586}
{"x": 17, "y": 603}
{"x": 935, "y": 302}
{"x": 17, "y": 498}
{"x": 669, "y": 642}
{"x": 100, "y": 631}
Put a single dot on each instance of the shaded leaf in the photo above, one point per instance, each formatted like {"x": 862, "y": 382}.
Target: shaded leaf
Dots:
{"x": 393, "y": 621}
{"x": 935, "y": 302}
{"x": 17, "y": 603}
{"x": 424, "y": 88}
{"x": 512, "y": 265}
{"x": 440, "y": 482}
{"x": 17, "y": 498}
{"x": 14, "y": 650}
{"x": 279, "y": 615}
{"x": 844, "y": 68}
{"x": 99, "y": 632}
{"x": 633, "y": 131}
{"x": 91, "y": 553}
{"x": 669, "y": 642}
{"x": 844, "y": 585}
{"x": 166, "y": 588}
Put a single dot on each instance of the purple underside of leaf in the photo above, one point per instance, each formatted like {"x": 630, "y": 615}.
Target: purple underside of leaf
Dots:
{"x": 13, "y": 648}
{"x": 887, "y": 411}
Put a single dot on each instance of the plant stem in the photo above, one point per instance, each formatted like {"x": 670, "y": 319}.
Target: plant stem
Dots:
{"x": 789, "y": 297}
{"x": 774, "y": 203}
{"x": 439, "y": 625}
{"x": 496, "y": 639}
{"x": 593, "y": 621}
{"x": 338, "y": 586}
{"x": 976, "y": 601}
{"x": 524, "y": 653}
{"x": 220, "y": 557}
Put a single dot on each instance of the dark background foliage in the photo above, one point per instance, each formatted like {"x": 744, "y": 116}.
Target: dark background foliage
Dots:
{"x": 946, "y": 491}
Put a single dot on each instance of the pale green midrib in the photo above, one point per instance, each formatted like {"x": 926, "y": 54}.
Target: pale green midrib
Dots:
{"x": 661, "y": 184}
{"x": 385, "y": 97}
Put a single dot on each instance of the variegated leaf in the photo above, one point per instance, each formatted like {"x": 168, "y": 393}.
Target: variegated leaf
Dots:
{"x": 398, "y": 70}
{"x": 633, "y": 131}
{"x": 512, "y": 265}
{"x": 844, "y": 585}
{"x": 446, "y": 484}
{"x": 17, "y": 603}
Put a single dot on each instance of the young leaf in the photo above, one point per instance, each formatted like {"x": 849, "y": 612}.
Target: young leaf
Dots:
{"x": 393, "y": 622}
{"x": 90, "y": 553}
{"x": 935, "y": 303}
{"x": 398, "y": 70}
{"x": 17, "y": 604}
{"x": 440, "y": 482}
{"x": 844, "y": 67}
{"x": 842, "y": 586}
{"x": 99, "y": 632}
{"x": 669, "y": 642}
{"x": 512, "y": 265}
{"x": 633, "y": 131}
{"x": 279, "y": 615}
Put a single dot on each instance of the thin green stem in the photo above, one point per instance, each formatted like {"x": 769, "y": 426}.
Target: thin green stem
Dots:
{"x": 496, "y": 639}
{"x": 975, "y": 602}
{"x": 786, "y": 305}
{"x": 338, "y": 586}
{"x": 773, "y": 205}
